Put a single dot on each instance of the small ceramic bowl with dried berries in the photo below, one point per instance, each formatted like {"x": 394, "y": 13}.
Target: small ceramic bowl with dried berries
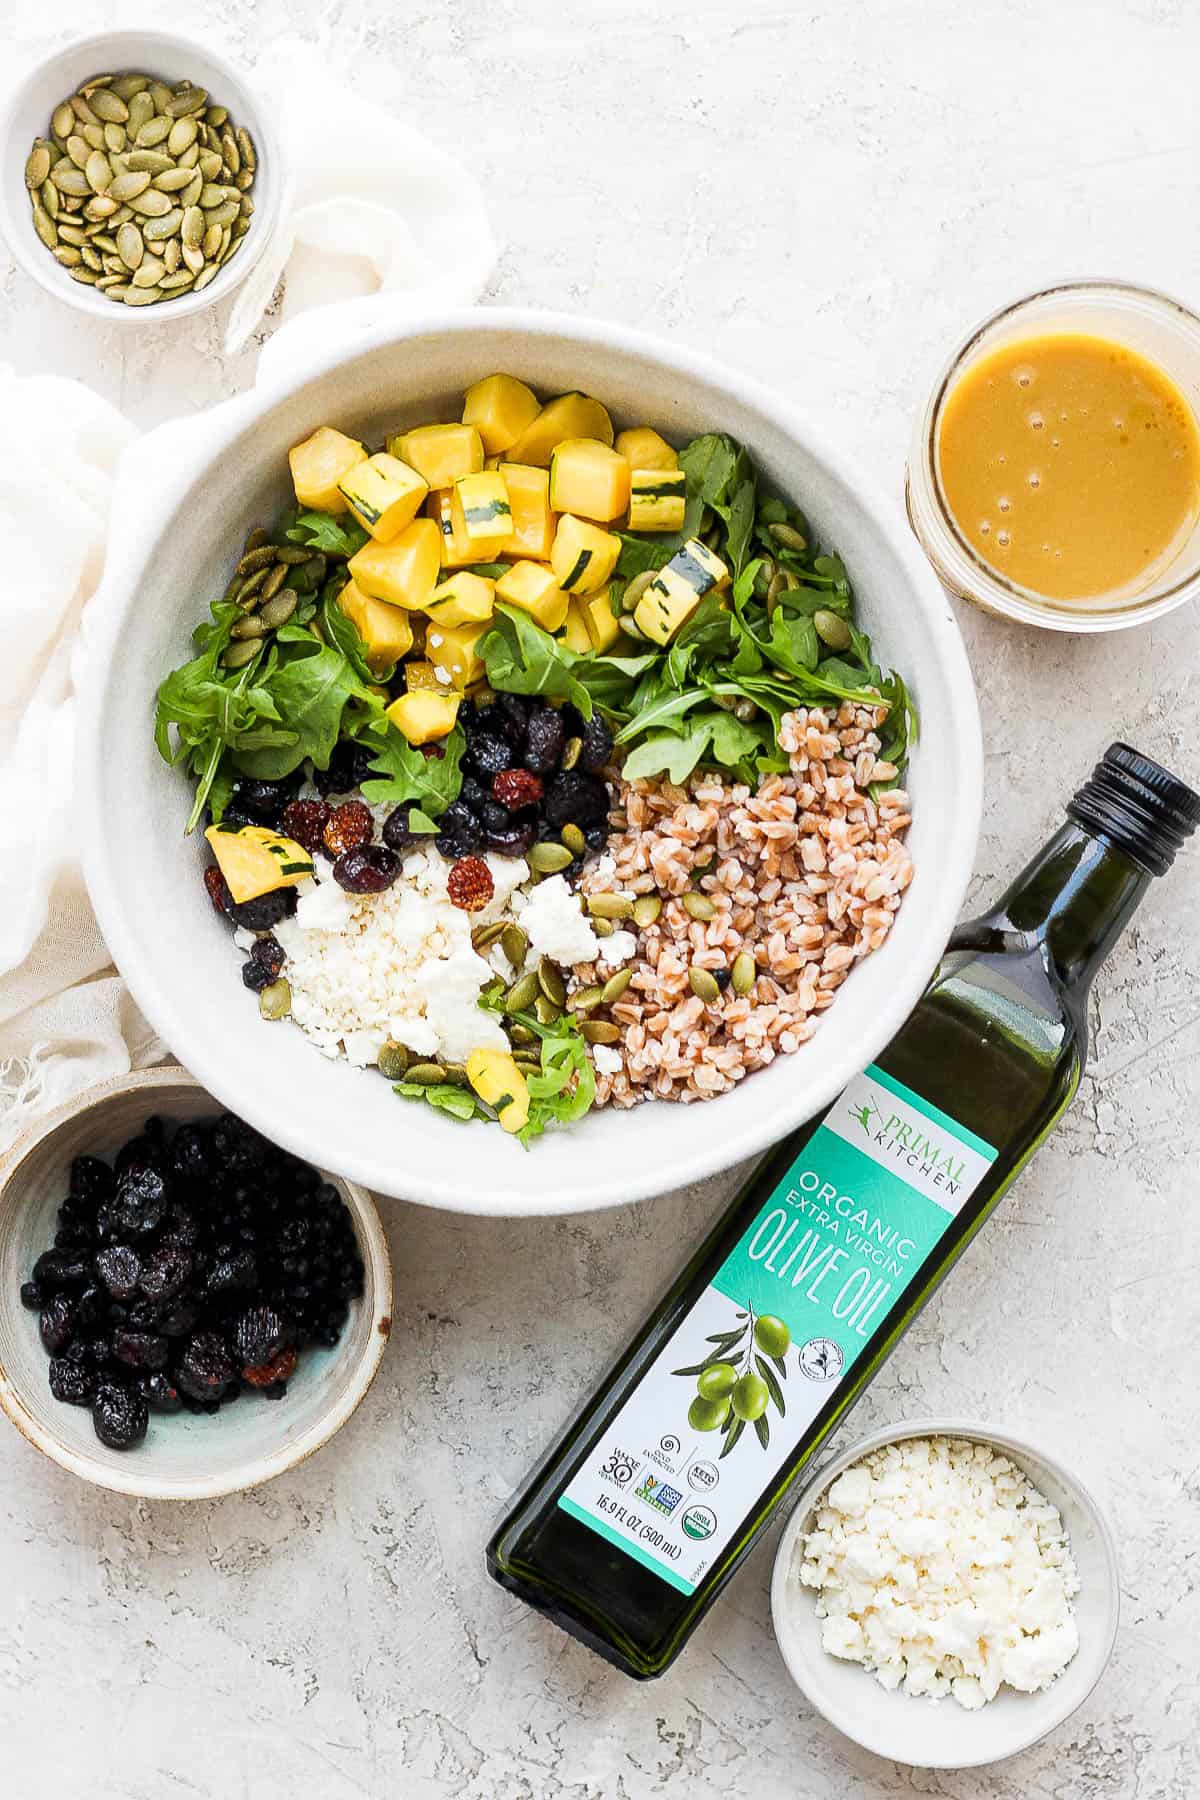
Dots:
{"x": 159, "y": 1260}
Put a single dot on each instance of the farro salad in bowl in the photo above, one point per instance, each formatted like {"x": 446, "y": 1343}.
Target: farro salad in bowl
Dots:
{"x": 641, "y": 812}
{"x": 544, "y": 767}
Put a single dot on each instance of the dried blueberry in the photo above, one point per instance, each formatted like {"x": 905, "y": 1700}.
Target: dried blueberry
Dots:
{"x": 341, "y": 775}
{"x": 597, "y": 742}
{"x": 206, "y": 1368}
{"x": 57, "y": 1323}
{"x": 473, "y": 794}
{"x": 92, "y": 1312}
{"x": 181, "y": 1229}
{"x": 596, "y": 836}
{"x": 494, "y": 817}
{"x": 262, "y": 913}
{"x": 72, "y": 1382}
{"x": 179, "y": 1317}
{"x": 459, "y": 832}
{"x": 191, "y": 1153}
{"x": 62, "y": 1268}
{"x": 544, "y": 740}
{"x": 140, "y": 1349}
{"x": 366, "y": 869}
{"x": 234, "y": 1274}
{"x": 263, "y": 801}
{"x": 91, "y": 1179}
{"x": 120, "y": 1416}
{"x": 514, "y": 839}
{"x": 159, "y": 1392}
{"x": 119, "y": 1266}
{"x": 139, "y": 1205}
{"x": 264, "y": 963}
{"x": 576, "y": 798}
{"x": 258, "y": 1336}
{"x": 166, "y": 1273}
{"x": 515, "y": 709}
{"x": 397, "y": 833}
{"x": 490, "y": 754}
{"x": 33, "y": 1296}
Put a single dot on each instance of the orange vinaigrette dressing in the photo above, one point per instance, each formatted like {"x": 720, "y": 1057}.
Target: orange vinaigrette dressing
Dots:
{"x": 1071, "y": 465}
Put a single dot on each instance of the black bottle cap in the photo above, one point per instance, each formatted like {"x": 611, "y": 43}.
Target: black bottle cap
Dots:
{"x": 1135, "y": 803}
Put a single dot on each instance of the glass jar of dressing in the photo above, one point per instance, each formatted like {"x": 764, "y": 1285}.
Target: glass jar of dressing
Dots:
{"x": 1054, "y": 474}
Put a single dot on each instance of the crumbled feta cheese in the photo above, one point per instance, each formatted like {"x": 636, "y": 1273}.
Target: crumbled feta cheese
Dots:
{"x": 616, "y": 949}
{"x": 439, "y": 674}
{"x": 245, "y": 940}
{"x": 607, "y": 1061}
{"x": 941, "y": 1568}
{"x": 556, "y": 925}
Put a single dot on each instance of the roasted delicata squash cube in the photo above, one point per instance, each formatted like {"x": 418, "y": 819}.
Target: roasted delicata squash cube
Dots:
{"x": 657, "y": 499}
{"x": 498, "y": 1081}
{"x": 532, "y": 532}
{"x": 532, "y": 587}
{"x": 319, "y": 464}
{"x": 589, "y": 479}
{"x": 420, "y": 673}
{"x": 570, "y": 416}
{"x": 404, "y": 572}
{"x": 384, "y": 495}
{"x": 440, "y": 453}
{"x": 453, "y": 652}
{"x": 575, "y": 634}
{"x": 462, "y": 599}
{"x": 457, "y": 551}
{"x": 583, "y": 557}
{"x": 424, "y": 715}
{"x": 256, "y": 860}
{"x": 480, "y": 514}
{"x": 604, "y": 628}
{"x": 644, "y": 449}
{"x": 677, "y": 590}
{"x": 385, "y": 630}
{"x": 500, "y": 408}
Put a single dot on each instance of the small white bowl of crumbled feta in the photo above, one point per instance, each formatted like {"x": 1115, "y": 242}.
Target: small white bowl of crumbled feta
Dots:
{"x": 946, "y": 1594}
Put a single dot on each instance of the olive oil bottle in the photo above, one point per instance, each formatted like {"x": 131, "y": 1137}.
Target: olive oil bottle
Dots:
{"x": 644, "y": 1508}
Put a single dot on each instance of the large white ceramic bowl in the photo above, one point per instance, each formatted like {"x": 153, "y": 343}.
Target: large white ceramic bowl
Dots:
{"x": 185, "y": 507}
{"x": 940, "y": 1734}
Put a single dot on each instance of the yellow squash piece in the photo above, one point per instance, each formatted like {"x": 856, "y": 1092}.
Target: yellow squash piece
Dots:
{"x": 584, "y": 556}
{"x": 385, "y": 630}
{"x": 419, "y": 674}
{"x": 456, "y": 551}
{"x": 384, "y": 495}
{"x": 644, "y": 449}
{"x": 453, "y": 651}
{"x": 533, "y": 588}
{"x": 678, "y": 589}
{"x": 657, "y": 499}
{"x": 575, "y": 634}
{"x": 440, "y": 453}
{"x": 256, "y": 860}
{"x": 498, "y": 1082}
{"x": 462, "y": 599}
{"x": 532, "y": 532}
{"x": 500, "y": 407}
{"x": 423, "y": 716}
{"x": 590, "y": 479}
{"x": 604, "y": 628}
{"x": 318, "y": 465}
{"x": 404, "y": 572}
{"x": 570, "y": 416}
{"x": 480, "y": 514}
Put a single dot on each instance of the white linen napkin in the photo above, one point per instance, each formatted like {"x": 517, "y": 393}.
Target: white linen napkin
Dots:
{"x": 374, "y": 217}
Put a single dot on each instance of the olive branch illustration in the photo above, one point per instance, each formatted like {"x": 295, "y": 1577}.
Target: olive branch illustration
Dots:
{"x": 740, "y": 1378}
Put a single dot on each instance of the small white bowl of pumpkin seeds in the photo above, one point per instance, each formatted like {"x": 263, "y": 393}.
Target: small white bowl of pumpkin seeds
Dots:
{"x": 139, "y": 176}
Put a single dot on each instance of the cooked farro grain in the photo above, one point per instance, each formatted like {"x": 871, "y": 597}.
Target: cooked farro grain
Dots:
{"x": 806, "y": 874}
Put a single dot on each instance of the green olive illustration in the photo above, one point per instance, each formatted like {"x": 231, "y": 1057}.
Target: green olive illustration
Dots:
{"x": 750, "y": 1398}
{"x": 772, "y": 1335}
{"x": 709, "y": 1415}
{"x": 717, "y": 1383}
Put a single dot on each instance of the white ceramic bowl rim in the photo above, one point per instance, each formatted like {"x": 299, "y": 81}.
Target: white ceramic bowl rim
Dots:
{"x": 508, "y": 1181}
{"x": 156, "y": 52}
{"x": 1033, "y": 1716}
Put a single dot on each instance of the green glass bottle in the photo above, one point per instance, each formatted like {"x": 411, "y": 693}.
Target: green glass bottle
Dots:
{"x": 643, "y": 1509}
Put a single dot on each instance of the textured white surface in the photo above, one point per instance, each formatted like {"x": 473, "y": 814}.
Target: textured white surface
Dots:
{"x": 825, "y": 194}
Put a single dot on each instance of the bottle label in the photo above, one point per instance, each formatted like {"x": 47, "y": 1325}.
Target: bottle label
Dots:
{"x": 674, "y": 1477}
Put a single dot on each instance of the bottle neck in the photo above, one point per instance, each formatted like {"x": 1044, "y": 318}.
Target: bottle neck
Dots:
{"x": 1075, "y": 898}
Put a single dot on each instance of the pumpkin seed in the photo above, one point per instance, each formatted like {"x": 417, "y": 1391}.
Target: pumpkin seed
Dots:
{"x": 72, "y": 234}
{"x": 775, "y": 587}
{"x": 545, "y": 1010}
{"x": 249, "y": 627}
{"x": 646, "y": 909}
{"x": 574, "y": 839}
{"x": 615, "y": 986}
{"x": 130, "y": 247}
{"x": 68, "y": 256}
{"x": 212, "y": 237}
{"x": 150, "y": 202}
{"x": 78, "y": 149}
{"x": 206, "y": 275}
{"x": 107, "y": 105}
{"x": 191, "y": 229}
{"x": 209, "y": 164}
{"x": 100, "y": 209}
{"x": 91, "y": 260}
{"x": 115, "y": 289}
{"x": 45, "y": 227}
{"x": 744, "y": 973}
{"x": 275, "y": 580}
{"x": 70, "y": 180}
{"x": 603, "y": 927}
{"x": 103, "y": 241}
{"x": 98, "y": 172}
{"x": 393, "y": 1061}
{"x": 149, "y": 162}
{"x": 149, "y": 272}
{"x": 85, "y": 275}
{"x": 156, "y": 230}
{"x": 172, "y": 253}
{"x": 698, "y": 906}
{"x": 426, "y": 1074}
{"x": 161, "y": 94}
{"x": 217, "y": 115}
{"x": 141, "y": 111}
{"x": 704, "y": 985}
{"x": 237, "y": 655}
{"x": 636, "y": 588}
{"x": 245, "y": 180}
{"x": 523, "y": 992}
{"x": 191, "y": 100}
{"x": 189, "y": 159}
{"x": 63, "y": 121}
{"x": 551, "y": 982}
{"x": 598, "y": 1031}
{"x": 37, "y": 167}
{"x": 788, "y": 536}
{"x": 584, "y": 998}
{"x": 572, "y": 751}
{"x": 114, "y": 139}
{"x": 549, "y": 859}
{"x": 127, "y": 86}
{"x": 521, "y": 1034}
{"x": 153, "y": 132}
{"x": 83, "y": 111}
{"x": 515, "y": 944}
{"x": 171, "y": 180}
{"x": 484, "y": 936}
{"x": 279, "y": 610}
{"x": 224, "y": 214}
{"x": 610, "y": 906}
{"x": 93, "y": 136}
{"x": 832, "y": 629}
{"x": 182, "y": 136}
{"x": 176, "y": 281}
{"x": 528, "y": 1061}
{"x": 49, "y": 198}
{"x": 275, "y": 1000}
{"x": 246, "y": 146}
{"x": 231, "y": 153}
{"x": 143, "y": 296}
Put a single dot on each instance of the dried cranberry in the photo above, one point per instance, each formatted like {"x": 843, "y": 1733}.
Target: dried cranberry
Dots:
{"x": 490, "y": 754}
{"x": 72, "y": 1382}
{"x": 120, "y": 1416}
{"x": 266, "y": 1375}
{"x": 218, "y": 889}
{"x": 517, "y": 788}
{"x": 140, "y": 1349}
{"x": 544, "y": 740}
{"x": 576, "y": 798}
{"x": 119, "y": 1267}
{"x": 265, "y": 911}
{"x": 597, "y": 742}
{"x": 57, "y": 1324}
{"x": 515, "y": 838}
{"x": 367, "y": 869}
{"x": 469, "y": 884}
{"x": 304, "y": 821}
{"x": 166, "y": 1273}
{"x": 348, "y": 826}
{"x": 205, "y": 1368}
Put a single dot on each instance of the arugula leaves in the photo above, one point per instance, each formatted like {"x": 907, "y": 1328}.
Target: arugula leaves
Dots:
{"x": 565, "y": 1087}
{"x": 336, "y": 536}
{"x": 461, "y": 1103}
{"x": 521, "y": 658}
{"x": 404, "y": 774}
